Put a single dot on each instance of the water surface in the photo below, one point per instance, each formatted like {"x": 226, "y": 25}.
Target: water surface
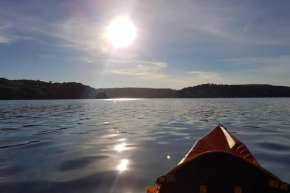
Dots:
{"x": 116, "y": 146}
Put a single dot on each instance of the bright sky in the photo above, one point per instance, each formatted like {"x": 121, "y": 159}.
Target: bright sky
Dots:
{"x": 175, "y": 43}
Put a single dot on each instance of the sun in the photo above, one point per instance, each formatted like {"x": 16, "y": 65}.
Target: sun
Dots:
{"x": 121, "y": 32}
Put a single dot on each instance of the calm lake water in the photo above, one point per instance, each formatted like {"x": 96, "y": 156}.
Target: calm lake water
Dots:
{"x": 122, "y": 146}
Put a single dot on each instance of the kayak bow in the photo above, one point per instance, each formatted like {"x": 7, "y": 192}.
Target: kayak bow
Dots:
{"x": 219, "y": 163}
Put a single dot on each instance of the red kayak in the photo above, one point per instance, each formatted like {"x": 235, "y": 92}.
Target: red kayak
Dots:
{"x": 219, "y": 163}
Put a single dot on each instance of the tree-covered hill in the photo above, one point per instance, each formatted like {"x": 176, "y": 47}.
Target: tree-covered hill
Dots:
{"x": 232, "y": 91}
{"x": 31, "y": 89}
{"x": 137, "y": 92}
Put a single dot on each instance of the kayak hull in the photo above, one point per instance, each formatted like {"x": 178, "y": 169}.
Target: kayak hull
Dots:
{"x": 218, "y": 171}
{"x": 219, "y": 162}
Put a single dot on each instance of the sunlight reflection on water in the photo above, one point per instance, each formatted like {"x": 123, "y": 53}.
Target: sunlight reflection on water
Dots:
{"x": 120, "y": 147}
{"x": 123, "y": 99}
{"x": 123, "y": 165}
{"x": 83, "y": 145}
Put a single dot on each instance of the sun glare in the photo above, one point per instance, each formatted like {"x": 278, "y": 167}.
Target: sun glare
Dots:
{"x": 121, "y": 32}
{"x": 123, "y": 165}
{"x": 120, "y": 147}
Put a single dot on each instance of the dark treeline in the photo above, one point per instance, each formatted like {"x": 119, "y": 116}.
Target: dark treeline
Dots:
{"x": 31, "y": 89}
{"x": 232, "y": 91}
{"x": 137, "y": 92}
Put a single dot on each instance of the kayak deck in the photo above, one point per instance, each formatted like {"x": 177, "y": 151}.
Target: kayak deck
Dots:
{"x": 220, "y": 139}
{"x": 219, "y": 163}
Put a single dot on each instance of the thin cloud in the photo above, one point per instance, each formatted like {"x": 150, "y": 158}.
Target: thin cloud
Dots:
{"x": 5, "y": 26}
{"x": 263, "y": 70}
{"x": 279, "y": 62}
{"x": 192, "y": 35}
{"x": 141, "y": 69}
{"x": 4, "y": 39}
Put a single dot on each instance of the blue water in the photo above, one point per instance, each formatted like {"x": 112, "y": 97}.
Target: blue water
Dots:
{"x": 122, "y": 146}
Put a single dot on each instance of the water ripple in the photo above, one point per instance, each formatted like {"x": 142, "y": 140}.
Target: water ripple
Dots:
{"x": 78, "y": 145}
{"x": 22, "y": 144}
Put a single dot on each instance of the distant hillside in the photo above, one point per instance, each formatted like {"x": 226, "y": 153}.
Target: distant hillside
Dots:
{"x": 232, "y": 91}
{"x": 31, "y": 89}
{"x": 137, "y": 92}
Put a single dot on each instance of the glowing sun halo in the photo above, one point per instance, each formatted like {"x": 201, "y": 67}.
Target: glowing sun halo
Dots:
{"x": 121, "y": 32}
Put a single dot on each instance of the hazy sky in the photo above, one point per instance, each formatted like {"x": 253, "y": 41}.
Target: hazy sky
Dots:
{"x": 178, "y": 43}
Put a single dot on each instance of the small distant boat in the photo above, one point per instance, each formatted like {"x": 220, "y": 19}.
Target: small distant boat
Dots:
{"x": 219, "y": 163}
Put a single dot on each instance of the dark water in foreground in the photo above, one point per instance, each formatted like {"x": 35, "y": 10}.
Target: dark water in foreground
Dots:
{"x": 109, "y": 146}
